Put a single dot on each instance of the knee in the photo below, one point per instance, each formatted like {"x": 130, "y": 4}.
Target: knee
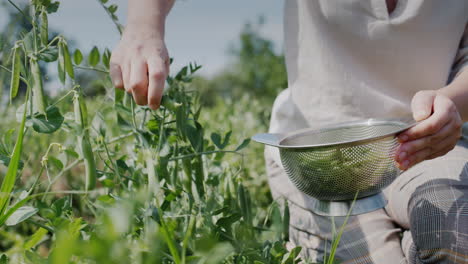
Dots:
{"x": 438, "y": 214}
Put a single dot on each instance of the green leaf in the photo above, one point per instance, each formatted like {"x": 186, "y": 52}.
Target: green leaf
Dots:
{"x": 72, "y": 153}
{"x": 53, "y": 7}
{"x": 227, "y": 137}
{"x": 216, "y": 138}
{"x": 78, "y": 57}
{"x": 106, "y": 58}
{"x": 227, "y": 221}
{"x": 49, "y": 55}
{"x": 66, "y": 242}
{"x": 9, "y": 180}
{"x": 15, "y": 73}
{"x": 107, "y": 199}
{"x": 244, "y": 144}
{"x": 35, "y": 239}
{"x": 4, "y": 259}
{"x": 94, "y": 56}
{"x": 104, "y": 1}
{"x": 49, "y": 122}
{"x": 112, "y": 8}
{"x": 20, "y": 215}
{"x": 56, "y": 162}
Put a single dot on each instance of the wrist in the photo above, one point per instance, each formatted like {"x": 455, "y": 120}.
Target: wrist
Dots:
{"x": 148, "y": 15}
{"x": 455, "y": 94}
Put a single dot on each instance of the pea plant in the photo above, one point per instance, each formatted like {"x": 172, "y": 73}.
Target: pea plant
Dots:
{"x": 117, "y": 182}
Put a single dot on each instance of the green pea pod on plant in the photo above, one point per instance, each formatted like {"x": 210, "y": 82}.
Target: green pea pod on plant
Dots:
{"x": 67, "y": 59}
{"x": 15, "y": 72}
{"x": 44, "y": 27}
{"x": 286, "y": 218}
{"x": 61, "y": 63}
{"x": 84, "y": 144}
{"x": 39, "y": 100}
{"x": 244, "y": 203}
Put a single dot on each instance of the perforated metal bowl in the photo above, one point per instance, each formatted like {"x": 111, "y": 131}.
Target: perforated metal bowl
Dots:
{"x": 336, "y": 162}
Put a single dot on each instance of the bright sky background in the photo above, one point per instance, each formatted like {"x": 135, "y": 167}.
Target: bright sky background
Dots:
{"x": 197, "y": 30}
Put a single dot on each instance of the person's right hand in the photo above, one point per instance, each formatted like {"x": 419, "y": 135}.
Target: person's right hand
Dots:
{"x": 140, "y": 64}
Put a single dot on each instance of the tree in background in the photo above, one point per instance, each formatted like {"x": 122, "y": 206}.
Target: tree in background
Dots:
{"x": 257, "y": 70}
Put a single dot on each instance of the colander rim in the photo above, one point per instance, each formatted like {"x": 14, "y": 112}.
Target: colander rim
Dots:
{"x": 403, "y": 123}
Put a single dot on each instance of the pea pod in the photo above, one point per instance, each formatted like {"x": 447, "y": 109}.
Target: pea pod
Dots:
{"x": 61, "y": 63}
{"x": 44, "y": 27}
{"x": 244, "y": 204}
{"x": 84, "y": 145}
{"x": 67, "y": 60}
{"x": 15, "y": 73}
{"x": 39, "y": 100}
{"x": 286, "y": 218}
{"x": 187, "y": 167}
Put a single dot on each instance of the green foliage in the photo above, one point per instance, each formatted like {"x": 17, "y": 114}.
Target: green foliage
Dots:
{"x": 126, "y": 184}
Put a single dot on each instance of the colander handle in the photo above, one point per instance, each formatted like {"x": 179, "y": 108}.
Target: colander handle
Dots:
{"x": 271, "y": 139}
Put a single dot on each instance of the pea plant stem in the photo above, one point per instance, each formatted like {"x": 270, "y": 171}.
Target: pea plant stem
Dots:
{"x": 204, "y": 153}
{"x": 48, "y": 228}
{"x": 21, "y": 11}
{"x": 90, "y": 69}
{"x": 8, "y": 70}
{"x": 116, "y": 139}
{"x": 63, "y": 97}
{"x": 64, "y": 170}
{"x": 49, "y": 44}
{"x": 116, "y": 23}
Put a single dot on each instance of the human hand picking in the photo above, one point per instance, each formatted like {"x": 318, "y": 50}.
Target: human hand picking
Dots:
{"x": 436, "y": 134}
{"x": 140, "y": 65}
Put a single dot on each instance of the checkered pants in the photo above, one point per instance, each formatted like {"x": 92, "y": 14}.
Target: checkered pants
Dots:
{"x": 425, "y": 221}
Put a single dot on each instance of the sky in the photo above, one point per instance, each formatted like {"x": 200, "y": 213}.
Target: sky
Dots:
{"x": 196, "y": 30}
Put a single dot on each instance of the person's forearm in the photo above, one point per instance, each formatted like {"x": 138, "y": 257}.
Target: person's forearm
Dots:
{"x": 457, "y": 91}
{"x": 149, "y": 13}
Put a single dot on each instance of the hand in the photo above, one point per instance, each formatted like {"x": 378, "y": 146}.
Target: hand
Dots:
{"x": 140, "y": 64}
{"x": 436, "y": 134}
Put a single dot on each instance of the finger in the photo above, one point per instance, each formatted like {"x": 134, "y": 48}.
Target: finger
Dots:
{"x": 414, "y": 158}
{"x": 421, "y": 104}
{"x": 116, "y": 76}
{"x": 441, "y": 116}
{"x": 157, "y": 72}
{"x": 420, "y": 143}
{"x": 425, "y": 153}
{"x": 440, "y": 153}
{"x": 139, "y": 81}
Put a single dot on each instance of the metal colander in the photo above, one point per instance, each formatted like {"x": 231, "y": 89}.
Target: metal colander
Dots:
{"x": 336, "y": 162}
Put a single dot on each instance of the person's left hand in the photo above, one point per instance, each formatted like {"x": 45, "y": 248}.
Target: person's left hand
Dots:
{"x": 436, "y": 134}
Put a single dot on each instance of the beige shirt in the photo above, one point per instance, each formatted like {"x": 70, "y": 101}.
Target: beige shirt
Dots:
{"x": 351, "y": 59}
